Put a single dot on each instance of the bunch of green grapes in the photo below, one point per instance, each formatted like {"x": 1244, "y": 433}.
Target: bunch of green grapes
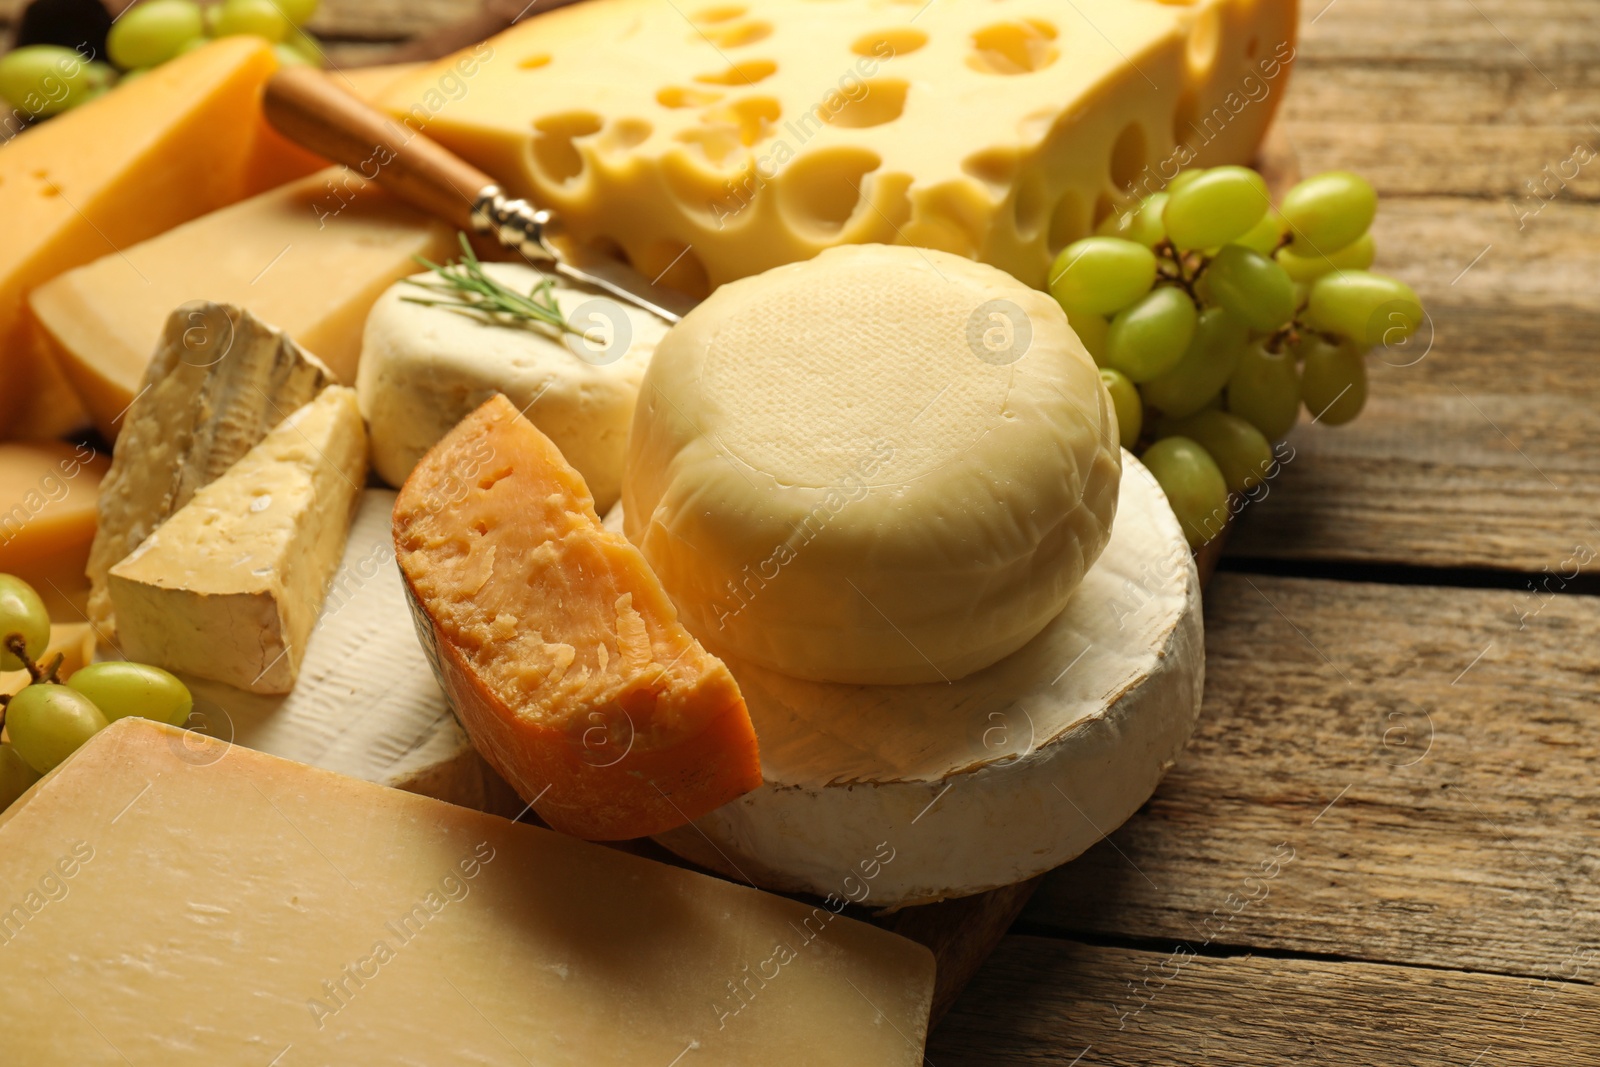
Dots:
{"x": 47, "y": 720}
{"x": 1215, "y": 318}
{"x": 43, "y": 79}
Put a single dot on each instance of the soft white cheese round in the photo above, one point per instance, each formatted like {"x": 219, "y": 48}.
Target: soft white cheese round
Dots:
{"x": 881, "y": 465}
{"x": 894, "y": 795}
{"x": 423, "y": 369}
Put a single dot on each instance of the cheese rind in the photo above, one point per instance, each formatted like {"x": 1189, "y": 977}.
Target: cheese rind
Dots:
{"x": 366, "y": 704}
{"x": 186, "y": 139}
{"x": 310, "y": 258}
{"x": 287, "y": 908}
{"x": 219, "y": 380}
{"x": 231, "y": 585}
{"x": 880, "y": 466}
{"x": 424, "y": 369}
{"x": 997, "y": 778}
{"x": 48, "y": 493}
{"x": 720, "y": 141}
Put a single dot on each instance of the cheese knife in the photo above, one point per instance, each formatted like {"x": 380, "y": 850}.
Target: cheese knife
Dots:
{"x": 309, "y": 108}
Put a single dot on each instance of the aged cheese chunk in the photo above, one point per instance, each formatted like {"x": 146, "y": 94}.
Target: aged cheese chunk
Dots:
{"x": 47, "y": 518}
{"x": 230, "y": 586}
{"x": 424, "y": 369}
{"x": 309, "y": 258}
{"x": 219, "y": 380}
{"x": 718, "y": 140}
{"x": 883, "y": 465}
{"x": 169, "y": 900}
{"x": 163, "y": 149}
{"x": 366, "y": 704}
{"x": 998, "y": 777}
{"x": 558, "y": 648}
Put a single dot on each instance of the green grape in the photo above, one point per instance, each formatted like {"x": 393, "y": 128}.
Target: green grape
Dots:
{"x": 1125, "y": 398}
{"x": 1328, "y": 211}
{"x": 1149, "y": 338}
{"x": 1242, "y": 453}
{"x": 101, "y": 76}
{"x": 1265, "y": 391}
{"x": 15, "y": 775}
{"x": 298, "y": 12}
{"x": 1205, "y": 368}
{"x": 308, "y": 46}
{"x": 43, "y": 79}
{"x": 1091, "y": 330}
{"x": 1369, "y": 309}
{"x": 21, "y": 612}
{"x": 1101, "y": 275}
{"x": 1253, "y": 288}
{"x": 152, "y": 32}
{"x": 120, "y": 689}
{"x": 1357, "y": 255}
{"x": 48, "y": 722}
{"x": 1264, "y": 236}
{"x": 1183, "y": 178}
{"x": 1213, "y": 209}
{"x": 194, "y": 45}
{"x": 260, "y": 18}
{"x": 290, "y": 57}
{"x": 1194, "y": 486}
{"x": 1333, "y": 381}
{"x": 1142, "y": 225}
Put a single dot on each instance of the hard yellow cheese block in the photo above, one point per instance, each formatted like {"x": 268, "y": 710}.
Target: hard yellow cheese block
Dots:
{"x": 184, "y": 139}
{"x": 171, "y": 900}
{"x": 309, "y": 258}
{"x": 715, "y": 140}
{"x": 48, "y": 494}
{"x": 230, "y": 587}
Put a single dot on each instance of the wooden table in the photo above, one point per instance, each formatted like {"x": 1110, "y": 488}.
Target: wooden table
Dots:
{"x": 1383, "y": 844}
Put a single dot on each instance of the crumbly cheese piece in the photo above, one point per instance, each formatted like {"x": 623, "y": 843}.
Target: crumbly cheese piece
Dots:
{"x": 424, "y": 369}
{"x": 48, "y": 491}
{"x": 714, "y": 140}
{"x": 366, "y": 703}
{"x": 992, "y": 780}
{"x": 219, "y": 380}
{"x": 230, "y": 586}
{"x": 882, "y": 465}
{"x": 163, "y": 149}
{"x": 309, "y": 258}
{"x": 167, "y": 899}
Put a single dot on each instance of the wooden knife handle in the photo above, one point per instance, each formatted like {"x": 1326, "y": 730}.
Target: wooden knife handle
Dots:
{"x": 310, "y": 108}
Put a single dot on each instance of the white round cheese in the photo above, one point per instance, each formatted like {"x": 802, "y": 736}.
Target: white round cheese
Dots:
{"x": 881, "y": 465}
{"x": 895, "y": 795}
{"x": 423, "y": 369}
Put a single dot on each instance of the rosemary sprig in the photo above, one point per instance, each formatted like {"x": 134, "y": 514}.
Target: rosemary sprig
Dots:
{"x": 476, "y": 292}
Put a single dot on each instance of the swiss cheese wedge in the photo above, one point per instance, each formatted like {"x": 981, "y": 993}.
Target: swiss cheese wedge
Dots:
{"x": 557, "y": 645}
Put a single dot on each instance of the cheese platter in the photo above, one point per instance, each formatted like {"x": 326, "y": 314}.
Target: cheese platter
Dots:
{"x": 719, "y": 464}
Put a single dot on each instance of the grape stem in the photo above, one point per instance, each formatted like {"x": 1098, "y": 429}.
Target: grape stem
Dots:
{"x": 17, "y": 645}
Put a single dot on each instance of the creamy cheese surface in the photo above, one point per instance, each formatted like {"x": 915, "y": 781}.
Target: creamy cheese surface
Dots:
{"x": 883, "y": 465}
{"x": 424, "y": 369}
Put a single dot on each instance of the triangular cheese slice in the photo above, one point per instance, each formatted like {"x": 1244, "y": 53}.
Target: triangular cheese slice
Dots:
{"x": 230, "y": 587}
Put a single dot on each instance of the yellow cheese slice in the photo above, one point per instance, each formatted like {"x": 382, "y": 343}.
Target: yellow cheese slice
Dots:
{"x": 883, "y": 465}
{"x": 171, "y": 900}
{"x": 310, "y": 258}
{"x": 230, "y": 587}
{"x": 48, "y": 496}
{"x": 185, "y": 139}
{"x": 713, "y": 140}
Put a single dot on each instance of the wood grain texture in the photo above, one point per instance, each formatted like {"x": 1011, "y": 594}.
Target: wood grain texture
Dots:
{"x": 1428, "y": 756}
{"x": 1050, "y": 1002}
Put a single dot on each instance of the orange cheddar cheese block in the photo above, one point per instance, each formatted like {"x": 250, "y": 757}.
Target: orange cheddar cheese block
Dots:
{"x": 557, "y": 645}
{"x": 48, "y": 494}
{"x": 182, "y": 140}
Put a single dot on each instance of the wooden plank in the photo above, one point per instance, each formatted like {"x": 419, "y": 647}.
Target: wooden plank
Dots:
{"x": 1425, "y": 755}
{"x": 1545, "y": 36}
{"x": 1063, "y": 1003}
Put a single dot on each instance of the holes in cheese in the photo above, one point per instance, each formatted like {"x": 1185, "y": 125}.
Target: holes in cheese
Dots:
{"x": 556, "y": 644}
{"x": 1014, "y": 47}
{"x": 747, "y": 73}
